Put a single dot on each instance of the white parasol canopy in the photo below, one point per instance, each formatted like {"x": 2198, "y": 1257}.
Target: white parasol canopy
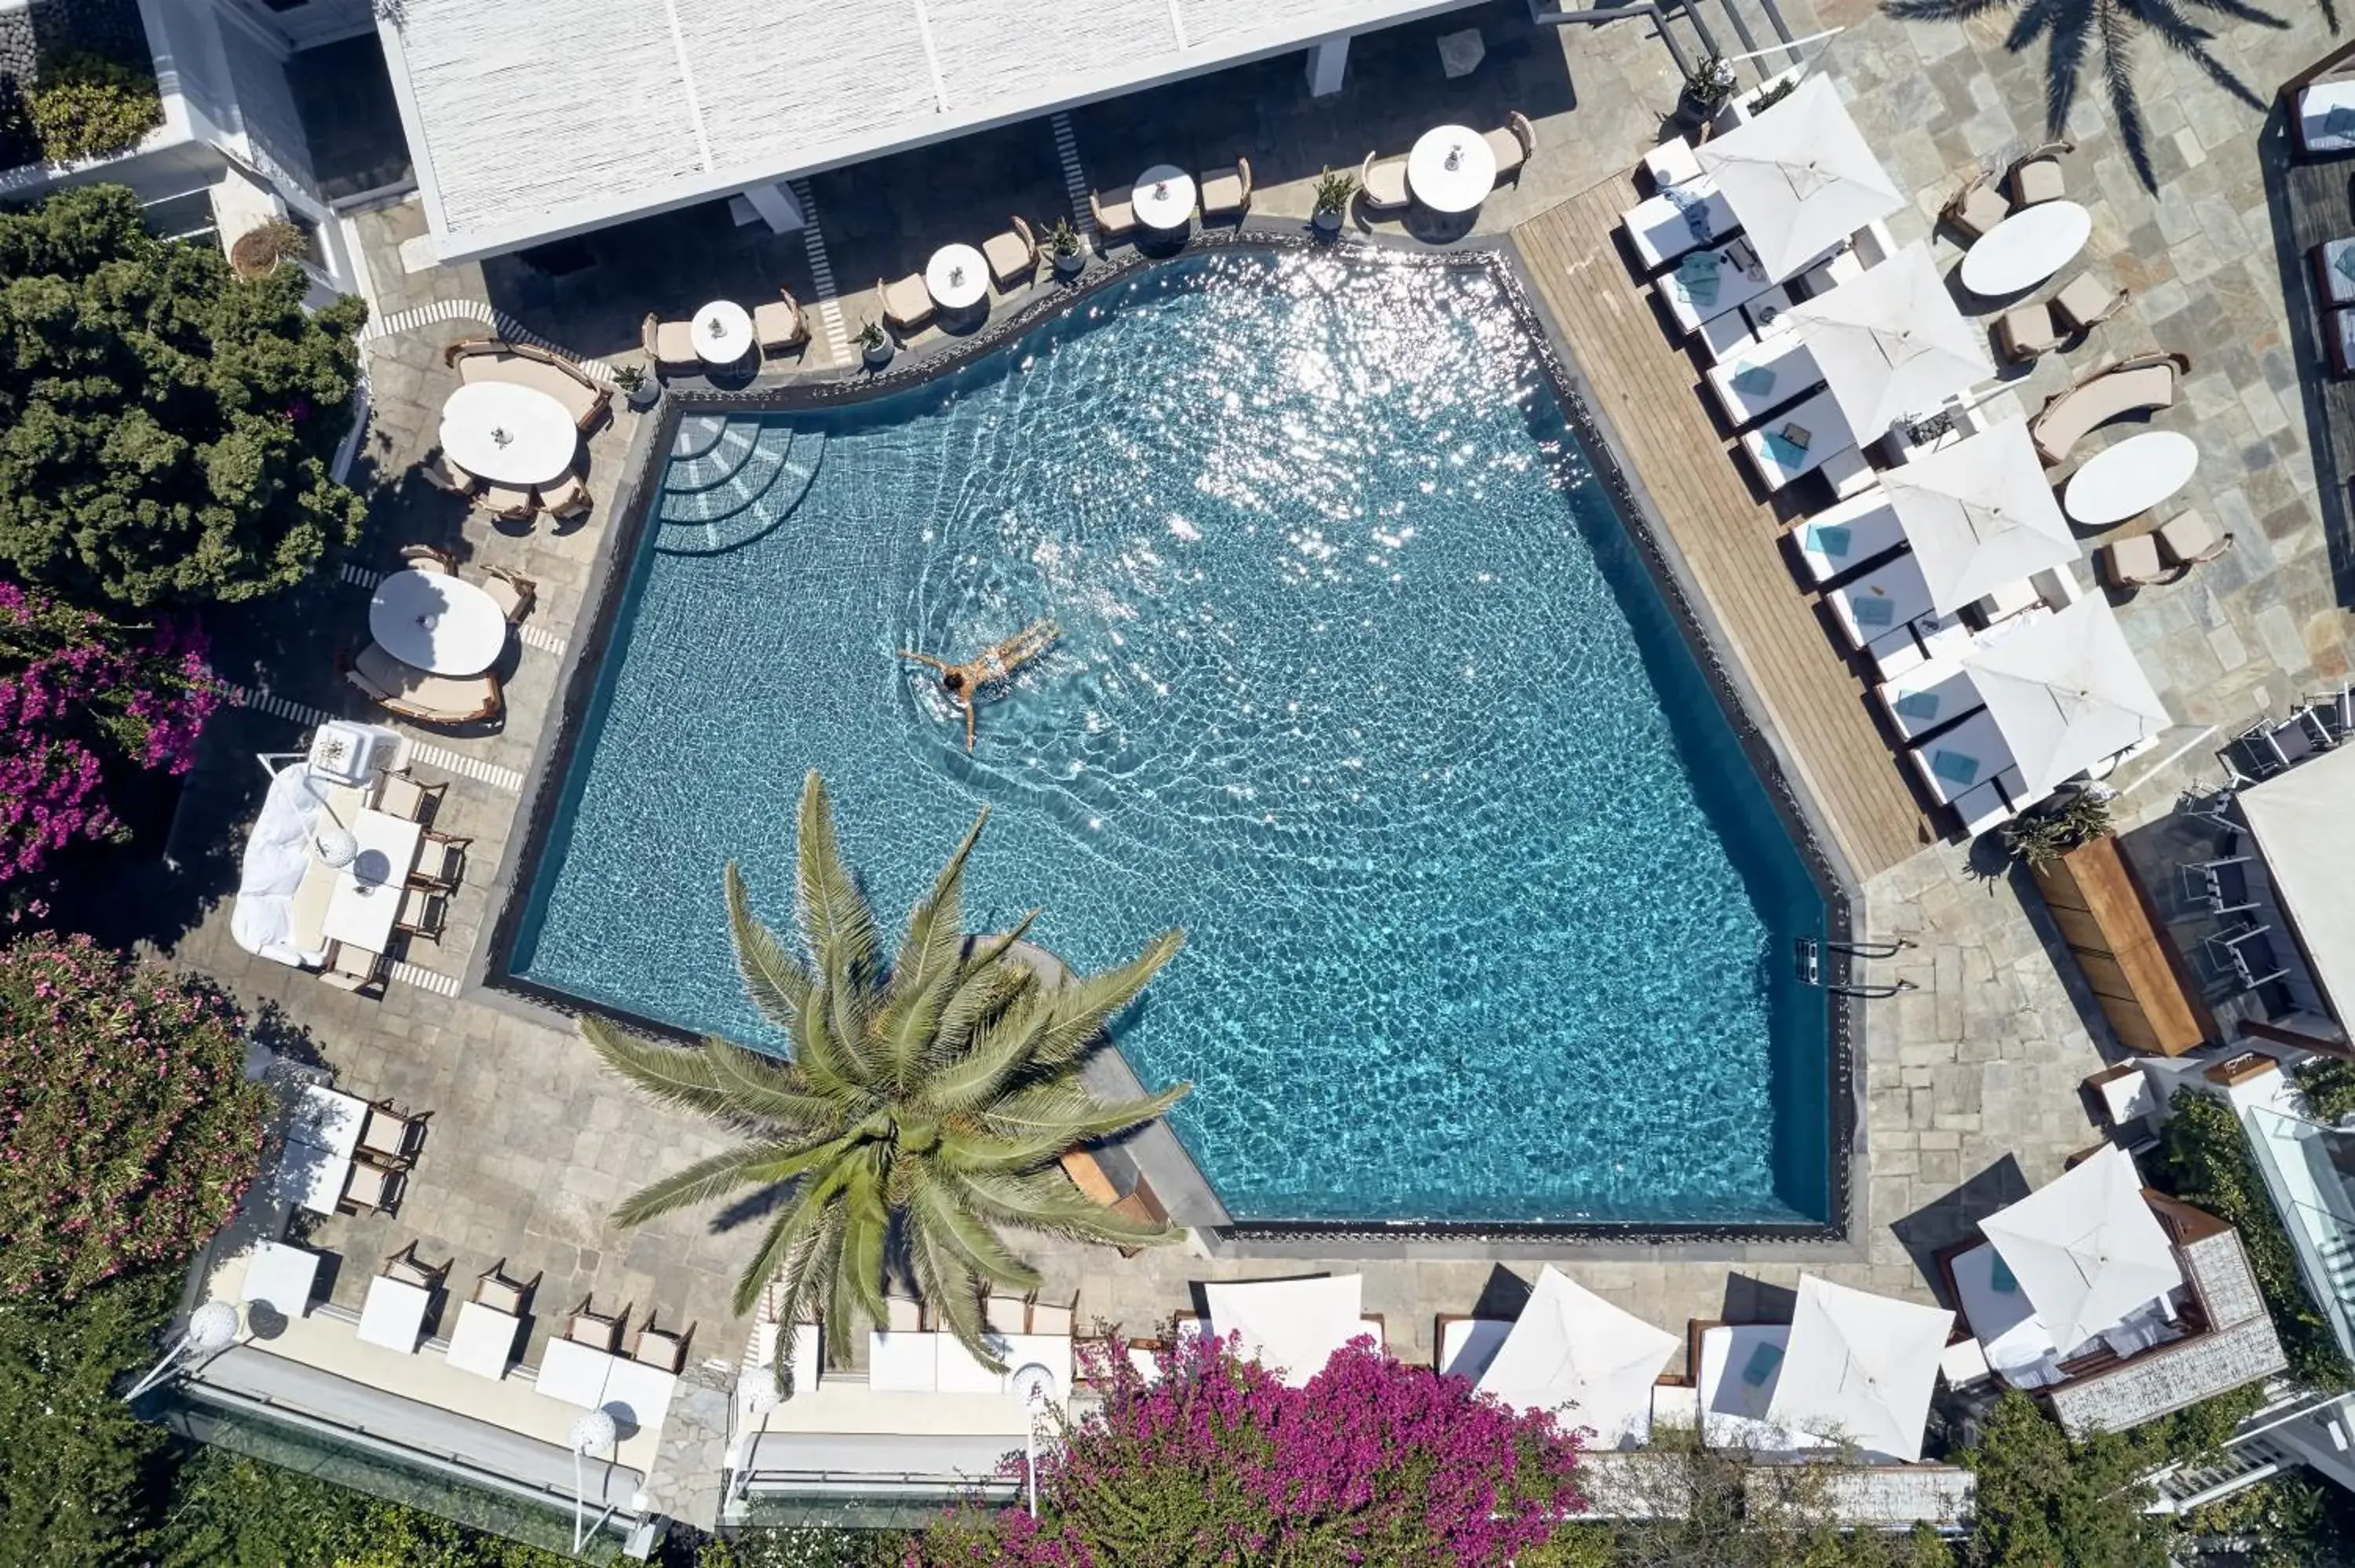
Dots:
{"x": 1800, "y": 177}
{"x": 2299, "y": 820}
{"x": 1980, "y": 514}
{"x": 1569, "y": 1347}
{"x": 1890, "y": 342}
{"x": 1290, "y": 1326}
{"x": 2086, "y": 1249}
{"x": 2066, "y": 691}
{"x": 1859, "y": 1367}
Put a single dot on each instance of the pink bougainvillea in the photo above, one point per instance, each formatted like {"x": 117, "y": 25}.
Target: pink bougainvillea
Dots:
{"x": 128, "y": 1130}
{"x": 80, "y": 695}
{"x": 1215, "y": 1461}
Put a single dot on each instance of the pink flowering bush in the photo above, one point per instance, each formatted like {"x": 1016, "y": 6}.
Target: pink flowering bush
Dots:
{"x": 1217, "y": 1462}
{"x": 128, "y": 1131}
{"x": 79, "y": 696}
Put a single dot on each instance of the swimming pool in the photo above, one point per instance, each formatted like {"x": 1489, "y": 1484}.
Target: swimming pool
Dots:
{"x": 1362, "y": 683}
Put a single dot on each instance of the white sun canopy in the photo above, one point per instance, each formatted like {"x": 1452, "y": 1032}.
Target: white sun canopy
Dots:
{"x": 2303, "y": 825}
{"x": 2086, "y": 1249}
{"x": 1570, "y": 1348}
{"x": 1980, "y": 514}
{"x": 1890, "y": 342}
{"x": 2066, "y": 691}
{"x": 1293, "y": 1326}
{"x": 1859, "y": 1368}
{"x": 1800, "y": 177}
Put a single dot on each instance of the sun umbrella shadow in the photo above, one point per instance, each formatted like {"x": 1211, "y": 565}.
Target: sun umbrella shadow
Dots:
{"x": 2071, "y": 28}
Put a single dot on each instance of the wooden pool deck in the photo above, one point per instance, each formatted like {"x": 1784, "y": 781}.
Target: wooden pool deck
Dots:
{"x": 1646, "y": 393}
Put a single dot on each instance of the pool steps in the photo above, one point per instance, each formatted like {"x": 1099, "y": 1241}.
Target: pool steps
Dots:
{"x": 731, "y": 481}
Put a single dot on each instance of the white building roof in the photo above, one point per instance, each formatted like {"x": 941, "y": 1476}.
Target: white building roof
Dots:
{"x": 531, "y": 118}
{"x": 2300, "y": 821}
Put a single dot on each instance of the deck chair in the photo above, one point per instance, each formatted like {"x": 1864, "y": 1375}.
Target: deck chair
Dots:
{"x": 566, "y": 498}
{"x": 426, "y": 559}
{"x": 511, "y": 591}
{"x": 1115, "y": 212}
{"x": 1012, "y": 254}
{"x": 494, "y": 1289}
{"x": 585, "y": 1326}
{"x": 389, "y": 1133}
{"x": 2245, "y": 955}
{"x": 660, "y": 1348}
{"x": 1975, "y": 209}
{"x": 1381, "y": 186}
{"x": 404, "y": 1266}
{"x": 2218, "y": 886}
{"x": 778, "y": 324}
{"x": 906, "y": 304}
{"x": 424, "y": 912}
{"x": 370, "y": 1189}
{"x": 352, "y": 969}
{"x": 441, "y": 862}
{"x": 403, "y": 797}
{"x": 669, "y": 345}
{"x": 2037, "y": 177}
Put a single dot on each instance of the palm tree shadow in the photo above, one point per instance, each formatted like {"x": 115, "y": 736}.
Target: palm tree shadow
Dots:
{"x": 2071, "y": 28}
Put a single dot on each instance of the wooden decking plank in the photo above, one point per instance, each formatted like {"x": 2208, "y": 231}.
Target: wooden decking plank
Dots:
{"x": 1646, "y": 390}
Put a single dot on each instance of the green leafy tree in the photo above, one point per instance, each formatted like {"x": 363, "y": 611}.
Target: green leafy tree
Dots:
{"x": 2047, "y": 1503}
{"x": 167, "y": 428}
{"x": 924, "y": 1108}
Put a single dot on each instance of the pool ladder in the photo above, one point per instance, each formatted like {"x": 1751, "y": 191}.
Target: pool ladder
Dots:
{"x": 1811, "y": 953}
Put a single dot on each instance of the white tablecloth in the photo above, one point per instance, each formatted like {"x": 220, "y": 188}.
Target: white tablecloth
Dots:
{"x": 393, "y": 1315}
{"x": 484, "y": 1341}
{"x": 437, "y": 622}
{"x": 723, "y": 331}
{"x": 367, "y": 891}
{"x": 574, "y": 1372}
{"x": 1451, "y": 168}
{"x": 326, "y": 1118}
{"x": 957, "y": 276}
{"x": 1163, "y": 197}
{"x": 2132, "y": 477}
{"x": 282, "y": 1275}
{"x": 902, "y": 1364}
{"x": 311, "y": 1176}
{"x": 515, "y": 434}
{"x": 637, "y": 1395}
{"x": 2025, "y": 248}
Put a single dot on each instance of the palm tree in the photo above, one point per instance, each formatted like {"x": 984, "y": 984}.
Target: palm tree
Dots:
{"x": 2070, "y": 26}
{"x": 923, "y": 1108}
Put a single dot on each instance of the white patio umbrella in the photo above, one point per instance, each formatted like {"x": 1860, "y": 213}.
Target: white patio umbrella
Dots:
{"x": 2066, "y": 691}
{"x": 1890, "y": 342}
{"x": 1800, "y": 177}
{"x": 1293, "y": 1326}
{"x": 1859, "y": 1367}
{"x": 1980, "y": 514}
{"x": 2086, "y": 1249}
{"x": 1569, "y": 1347}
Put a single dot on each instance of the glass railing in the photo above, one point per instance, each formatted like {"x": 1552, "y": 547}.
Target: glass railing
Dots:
{"x": 2315, "y": 1208}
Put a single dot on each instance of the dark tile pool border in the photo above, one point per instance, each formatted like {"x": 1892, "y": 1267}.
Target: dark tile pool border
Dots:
{"x": 1188, "y": 1195}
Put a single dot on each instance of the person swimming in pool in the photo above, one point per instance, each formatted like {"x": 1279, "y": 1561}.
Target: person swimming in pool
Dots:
{"x": 993, "y": 666}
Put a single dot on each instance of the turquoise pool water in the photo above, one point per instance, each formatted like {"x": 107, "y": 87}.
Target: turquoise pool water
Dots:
{"x": 1362, "y": 683}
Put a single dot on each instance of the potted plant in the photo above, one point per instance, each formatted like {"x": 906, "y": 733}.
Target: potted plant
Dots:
{"x": 1063, "y": 246}
{"x": 1709, "y": 82}
{"x": 1335, "y": 187}
{"x": 639, "y": 388}
{"x": 875, "y": 345}
{"x": 2071, "y": 822}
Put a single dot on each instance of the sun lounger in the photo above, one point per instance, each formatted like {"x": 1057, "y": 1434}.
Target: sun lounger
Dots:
{"x": 1880, "y": 601}
{"x": 2324, "y": 124}
{"x": 1925, "y": 639}
{"x": 2131, "y": 386}
{"x": 1957, "y": 760}
{"x": 1225, "y": 193}
{"x": 1672, "y": 163}
{"x": 2334, "y": 271}
{"x": 1705, "y": 283}
{"x": 419, "y": 695}
{"x": 527, "y": 365}
{"x": 1797, "y": 440}
{"x": 1512, "y": 142}
{"x": 1842, "y": 537}
{"x": 1381, "y": 186}
{"x": 2339, "y": 337}
{"x": 1926, "y": 700}
{"x": 1763, "y": 378}
{"x": 1681, "y": 219}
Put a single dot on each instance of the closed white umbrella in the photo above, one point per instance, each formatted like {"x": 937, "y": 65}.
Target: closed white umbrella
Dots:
{"x": 1859, "y": 1367}
{"x": 1890, "y": 342}
{"x": 1570, "y": 1348}
{"x": 1290, "y": 1326}
{"x": 2085, "y": 1249}
{"x": 2066, "y": 691}
{"x": 1980, "y": 514}
{"x": 1800, "y": 177}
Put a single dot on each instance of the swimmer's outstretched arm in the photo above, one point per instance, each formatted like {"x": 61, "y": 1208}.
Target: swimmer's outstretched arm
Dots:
{"x": 968, "y": 727}
{"x": 924, "y": 659}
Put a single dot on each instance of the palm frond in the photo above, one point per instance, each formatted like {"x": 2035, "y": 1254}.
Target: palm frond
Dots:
{"x": 1082, "y": 1009}
{"x": 760, "y": 1164}
{"x": 819, "y": 1057}
{"x": 1062, "y": 1108}
{"x": 675, "y": 1074}
{"x": 802, "y": 1215}
{"x": 935, "y": 935}
{"x": 850, "y": 1018}
{"x": 981, "y": 994}
{"x": 1046, "y": 1201}
{"x": 1001, "y": 1048}
{"x": 773, "y": 978}
{"x": 938, "y": 1206}
{"x": 757, "y": 1086}
{"x": 707, "y": 1179}
{"x": 954, "y": 1291}
{"x": 993, "y": 951}
{"x": 829, "y": 907}
{"x": 805, "y": 1282}
{"x": 866, "y": 1247}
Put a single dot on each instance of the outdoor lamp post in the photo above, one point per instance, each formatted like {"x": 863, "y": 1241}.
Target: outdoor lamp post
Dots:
{"x": 1034, "y": 1385}
{"x": 590, "y": 1429}
{"x": 212, "y": 1329}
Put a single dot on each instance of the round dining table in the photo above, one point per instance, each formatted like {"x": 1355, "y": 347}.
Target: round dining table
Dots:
{"x": 956, "y": 276}
{"x": 2025, "y": 248}
{"x": 513, "y": 434}
{"x": 723, "y": 333}
{"x": 1163, "y": 197}
{"x": 2131, "y": 478}
{"x": 432, "y": 620}
{"x": 1451, "y": 168}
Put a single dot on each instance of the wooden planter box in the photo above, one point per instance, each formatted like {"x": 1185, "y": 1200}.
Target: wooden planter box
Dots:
{"x": 2121, "y": 946}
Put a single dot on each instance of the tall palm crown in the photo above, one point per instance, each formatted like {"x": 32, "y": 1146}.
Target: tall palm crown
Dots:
{"x": 923, "y": 1106}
